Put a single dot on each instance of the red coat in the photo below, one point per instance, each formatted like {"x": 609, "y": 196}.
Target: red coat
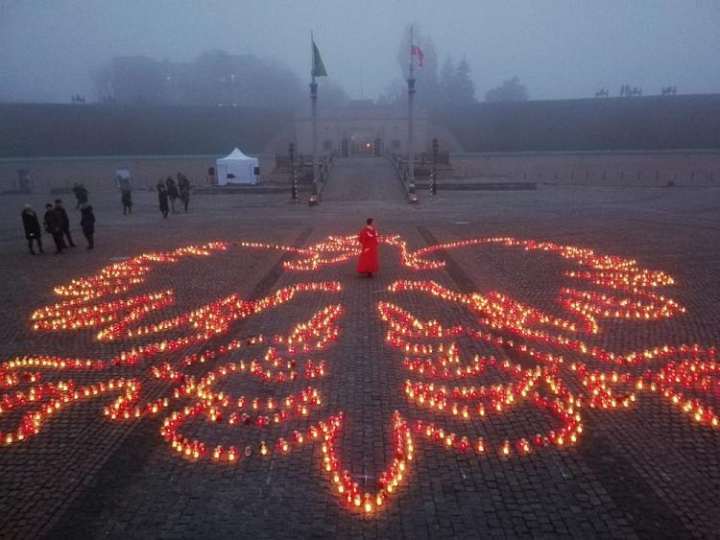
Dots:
{"x": 368, "y": 262}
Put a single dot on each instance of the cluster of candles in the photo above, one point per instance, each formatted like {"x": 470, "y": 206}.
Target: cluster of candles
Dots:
{"x": 338, "y": 249}
{"x": 215, "y": 319}
{"x": 85, "y": 307}
{"x": 47, "y": 399}
{"x": 278, "y": 411}
{"x": 471, "y": 403}
{"x": 81, "y": 311}
{"x": 430, "y": 349}
{"x": 121, "y": 276}
{"x": 515, "y": 321}
{"x": 315, "y": 334}
{"x": 406, "y": 332}
{"x": 75, "y": 314}
{"x": 197, "y": 449}
{"x": 605, "y": 271}
{"x": 312, "y": 336}
{"x": 55, "y": 363}
{"x": 693, "y": 369}
{"x": 347, "y": 488}
{"x": 50, "y": 399}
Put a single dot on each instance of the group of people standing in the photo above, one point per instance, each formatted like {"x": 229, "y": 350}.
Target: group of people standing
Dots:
{"x": 57, "y": 223}
{"x": 170, "y": 192}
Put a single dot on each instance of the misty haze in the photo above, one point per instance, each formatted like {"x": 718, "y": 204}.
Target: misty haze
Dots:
{"x": 379, "y": 269}
{"x": 559, "y": 49}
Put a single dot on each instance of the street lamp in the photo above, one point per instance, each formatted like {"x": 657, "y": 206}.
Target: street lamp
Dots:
{"x": 293, "y": 179}
{"x": 433, "y": 176}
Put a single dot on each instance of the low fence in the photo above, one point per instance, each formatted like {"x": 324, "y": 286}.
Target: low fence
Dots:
{"x": 679, "y": 168}
{"x": 401, "y": 169}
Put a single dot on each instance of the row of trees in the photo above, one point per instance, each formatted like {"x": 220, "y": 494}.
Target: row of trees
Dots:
{"x": 451, "y": 86}
{"x": 217, "y": 78}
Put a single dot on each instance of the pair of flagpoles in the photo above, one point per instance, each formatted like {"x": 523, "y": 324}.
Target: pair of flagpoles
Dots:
{"x": 318, "y": 66}
{"x": 318, "y": 70}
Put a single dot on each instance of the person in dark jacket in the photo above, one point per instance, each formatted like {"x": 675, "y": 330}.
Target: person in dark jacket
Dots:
{"x": 54, "y": 227}
{"x": 32, "y": 228}
{"x": 163, "y": 198}
{"x": 87, "y": 223}
{"x": 64, "y": 222}
{"x": 185, "y": 193}
{"x": 81, "y": 194}
{"x": 126, "y": 199}
{"x": 172, "y": 192}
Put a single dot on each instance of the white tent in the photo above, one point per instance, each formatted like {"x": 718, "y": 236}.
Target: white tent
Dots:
{"x": 237, "y": 168}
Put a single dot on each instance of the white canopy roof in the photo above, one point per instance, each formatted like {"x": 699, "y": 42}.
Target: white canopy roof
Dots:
{"x": 235, "y": 155}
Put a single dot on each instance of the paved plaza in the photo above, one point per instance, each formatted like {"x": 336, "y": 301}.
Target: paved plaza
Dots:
{"x": 560, "y": 392}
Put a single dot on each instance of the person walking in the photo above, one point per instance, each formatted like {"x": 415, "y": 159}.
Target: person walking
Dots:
{"x": 172, "y": 192}
{"x": 185, "y": 193}
{"x": 87, "y": 224}
{"x": 163, "y": 198}
{"x": 126, "y": 199}
{"x": 51, "y": 220}
{"x": 81, "y": 194}
{"x": 32, "y": 228}
{"x": 368, "y": 263}
{"x": 64, "y": 221}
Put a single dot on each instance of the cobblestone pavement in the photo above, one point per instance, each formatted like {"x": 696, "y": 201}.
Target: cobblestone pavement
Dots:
{"x": 645, "y": 471}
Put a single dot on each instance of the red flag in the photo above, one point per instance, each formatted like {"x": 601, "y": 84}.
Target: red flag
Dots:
{"x": 415, "y": 50}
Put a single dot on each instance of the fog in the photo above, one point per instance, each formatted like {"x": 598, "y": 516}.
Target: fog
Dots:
{"x": 558, "y": 48}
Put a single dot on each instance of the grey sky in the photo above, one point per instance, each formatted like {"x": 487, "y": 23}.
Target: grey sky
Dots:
{"x": 558, "y": 48}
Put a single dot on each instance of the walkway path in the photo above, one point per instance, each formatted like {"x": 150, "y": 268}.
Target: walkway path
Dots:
{"x": 362, "y": 179}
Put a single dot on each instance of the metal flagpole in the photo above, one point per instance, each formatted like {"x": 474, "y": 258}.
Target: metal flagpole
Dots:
{"x": 411, "y": 96}
{"x": 313, "y": 104}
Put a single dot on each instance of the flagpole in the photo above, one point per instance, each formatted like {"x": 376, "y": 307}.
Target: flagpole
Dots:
{"x": 313, "y": 106}
{"x": 411, "y": 96}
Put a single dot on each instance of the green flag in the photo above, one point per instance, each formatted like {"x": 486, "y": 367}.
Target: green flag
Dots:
{"x": 318, "y": 69}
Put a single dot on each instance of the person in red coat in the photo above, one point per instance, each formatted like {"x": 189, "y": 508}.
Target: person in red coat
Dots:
{"x": 368, "y": 238}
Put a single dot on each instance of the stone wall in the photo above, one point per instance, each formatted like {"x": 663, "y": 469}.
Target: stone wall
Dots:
{"x": 605, "y": 124}
{"x": 45, "y": 130}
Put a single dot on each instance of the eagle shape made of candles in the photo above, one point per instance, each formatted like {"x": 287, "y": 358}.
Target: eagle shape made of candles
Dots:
{"x": 505, "y": 380}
